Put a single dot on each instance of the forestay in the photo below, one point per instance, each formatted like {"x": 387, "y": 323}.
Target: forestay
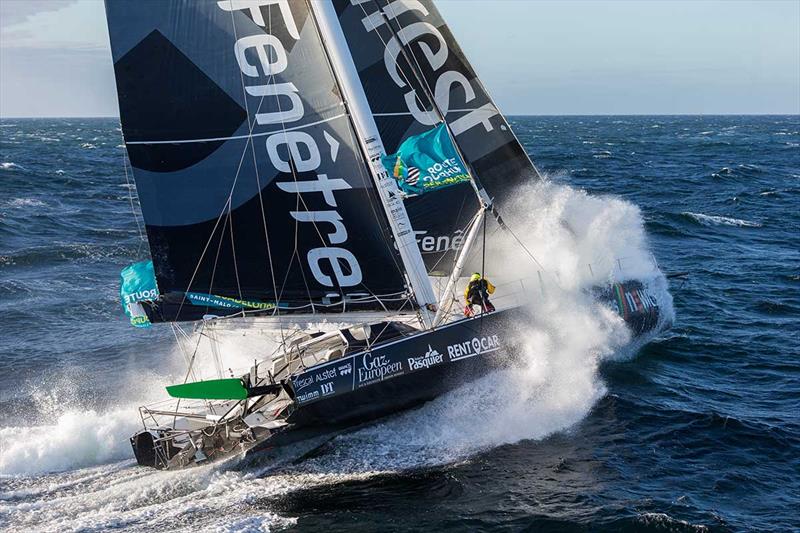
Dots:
{"x": 407, "y": 58}
{"x": 250, "y": 178}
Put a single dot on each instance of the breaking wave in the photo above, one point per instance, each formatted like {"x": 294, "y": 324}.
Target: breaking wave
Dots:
{"x": 716, "y": 220}
{"x": 76, "y": 439}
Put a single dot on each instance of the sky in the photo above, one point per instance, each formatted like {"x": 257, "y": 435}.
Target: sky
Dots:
{"x": 542, "y": 57}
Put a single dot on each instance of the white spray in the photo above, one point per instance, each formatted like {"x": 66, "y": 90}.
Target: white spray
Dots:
{"x": 563, "y": 338}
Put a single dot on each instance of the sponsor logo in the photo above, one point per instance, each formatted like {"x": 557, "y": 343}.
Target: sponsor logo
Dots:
{"x": 431, "y": 358}
{"x": 138, "y": 296}
{"x": 345, "y": 370}
{"x": 308, "y": 396}
{"x": 303, "y": 382}
{"x": 640, "y": 300}
{"x": 328, "y": 373}
{"x": 421, "y": 33}
{"x": 475, "y": 346}
{"x": 377, "y": 368}
{"x": 446, "y": 171}
{"x": 197, "y": 298}
{"x": 293, "y": 151}
{"x": 441, "y": 243}
{"x": 326, "y": 389}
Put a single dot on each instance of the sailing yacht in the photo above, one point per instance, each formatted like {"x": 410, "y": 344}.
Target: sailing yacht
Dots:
{"x": 269, "y": 145}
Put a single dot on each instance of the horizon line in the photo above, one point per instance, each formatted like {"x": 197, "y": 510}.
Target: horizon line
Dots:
{"x": 15, "y": 117}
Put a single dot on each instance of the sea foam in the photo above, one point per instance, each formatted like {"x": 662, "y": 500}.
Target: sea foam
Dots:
{"x": 561, "y": 341}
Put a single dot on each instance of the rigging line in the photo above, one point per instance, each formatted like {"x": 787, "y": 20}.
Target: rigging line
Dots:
{"x": 381, "y": 221}
{"x": 174, "y": 329}
{"x": 299, "y": 198}
{"x": 214, "y": 229}
{"x": 418, "y": 72}
{"x": 364, "y": 177}
{"x": 229, "y": 201}
{"x": 476, "y": 79}
{"x": 385, "y": 45}
{"x": 233, "y": 253}
{"x": 190, "y": 366}
{"x": 431, "y": 96}
{"x": 454, "y": 295}
{"x": 463, "y": 231}
{"x": 249, "y": 141}
{"x": 408, "y": 82}
{"x": 216, "y": 258}
{"x": 409, "y": 113}
{"x": 222, "y": 212}
{"x": 130, "y": 196}
{"x": 483, "y": 254}
{"x": 258, "y": 178}
{"x": 472, "y": 221}
{"x": 522, "y": 244}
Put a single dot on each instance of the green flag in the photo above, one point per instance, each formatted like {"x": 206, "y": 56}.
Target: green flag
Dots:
{"x": 426, "y": 162}
{"x": 138, "y": 283}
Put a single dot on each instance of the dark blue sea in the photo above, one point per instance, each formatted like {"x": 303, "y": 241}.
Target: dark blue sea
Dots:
{"x": 699, "y": 431}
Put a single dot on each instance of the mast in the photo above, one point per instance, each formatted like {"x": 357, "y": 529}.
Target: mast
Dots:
{"x": 372, "y": 146}
{"x": 484, "y": 201}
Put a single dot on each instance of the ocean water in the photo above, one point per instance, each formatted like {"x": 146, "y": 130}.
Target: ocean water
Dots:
{"x": 699, "y": 430}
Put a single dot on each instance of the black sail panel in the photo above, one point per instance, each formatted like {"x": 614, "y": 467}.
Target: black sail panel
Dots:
{"x": 250, "y": 177}
{"x": 407, "y": 56}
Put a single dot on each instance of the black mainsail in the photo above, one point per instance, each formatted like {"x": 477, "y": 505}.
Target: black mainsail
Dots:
{"x": 249, "y": 173}
{"x": 415, "y": 75}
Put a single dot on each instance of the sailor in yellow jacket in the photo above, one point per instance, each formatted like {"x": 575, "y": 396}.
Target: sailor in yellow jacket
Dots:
{"x": 477, "y": 293}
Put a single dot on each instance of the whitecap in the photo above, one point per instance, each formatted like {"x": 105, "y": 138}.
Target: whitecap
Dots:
{"x": 11, "y": 166}
{"x": 25, "y": 202}
{"x": 724, "y": 171}
{"x": 716, "y": 220}
{"x": 88, "y": 145}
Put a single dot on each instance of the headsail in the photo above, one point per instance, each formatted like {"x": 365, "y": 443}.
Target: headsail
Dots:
{"x": 249, "y": 173}
{"x": 406, "y": 57}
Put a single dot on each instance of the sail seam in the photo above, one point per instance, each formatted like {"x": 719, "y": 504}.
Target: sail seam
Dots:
{"x": 235, "y": 137}
{"x": 409, "y": 113}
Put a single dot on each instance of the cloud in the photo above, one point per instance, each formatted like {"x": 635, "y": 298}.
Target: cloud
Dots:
{"x": 17, "y": 11}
